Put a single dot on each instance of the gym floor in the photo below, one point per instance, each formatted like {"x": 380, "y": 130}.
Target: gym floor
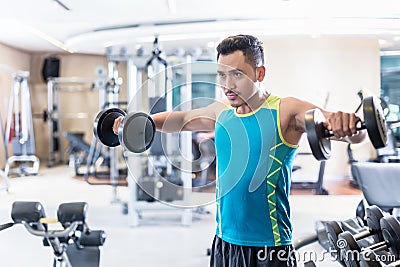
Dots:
{"x": 160, "y": 239}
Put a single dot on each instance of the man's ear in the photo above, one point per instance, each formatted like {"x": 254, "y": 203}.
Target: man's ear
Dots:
{"x": 260, "y": 73}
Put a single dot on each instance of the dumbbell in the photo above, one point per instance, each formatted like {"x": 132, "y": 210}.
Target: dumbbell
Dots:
{"x": 319, "y": 137}
{"x": 352, "y": 252}
{"x": 373, "y": 217}
{"x": 135, "y": 133}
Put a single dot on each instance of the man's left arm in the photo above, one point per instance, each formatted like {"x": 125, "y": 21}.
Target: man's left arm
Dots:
{"x": 342, "y": 124}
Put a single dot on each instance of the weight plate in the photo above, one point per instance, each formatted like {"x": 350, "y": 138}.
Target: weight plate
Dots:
{"x": 103, "y": 125}
{"x": 349, "y": 253}
{"x": 333, "y": 230}
{"x": 320, "y": 145}
{"x": 391, "y": 234}
{"x": 374, "y": 216}
{"x": 136, "y": 132}
{"x": 375, "y": 122}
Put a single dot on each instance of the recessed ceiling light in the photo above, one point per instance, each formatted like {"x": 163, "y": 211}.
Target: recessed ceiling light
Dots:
{"x": 382, "y": 42}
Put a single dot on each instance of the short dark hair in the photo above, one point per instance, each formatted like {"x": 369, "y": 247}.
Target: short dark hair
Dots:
{"x": 250, "y": 46}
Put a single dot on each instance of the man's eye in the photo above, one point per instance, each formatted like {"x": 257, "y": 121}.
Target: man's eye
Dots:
{"x": 237, "y": 74}
{"x": 221, "y": 75}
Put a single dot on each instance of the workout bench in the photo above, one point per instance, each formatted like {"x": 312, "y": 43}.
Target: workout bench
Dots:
{"x": 74, "y": 245}
{"x": 379, "y": 182}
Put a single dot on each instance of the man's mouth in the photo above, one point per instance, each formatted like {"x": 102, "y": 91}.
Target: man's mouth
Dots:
{"x": 231, "y": 95}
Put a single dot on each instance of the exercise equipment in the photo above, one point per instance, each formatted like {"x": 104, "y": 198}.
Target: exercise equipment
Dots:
{"x": 2, "y": 174}
{"x": 317, "y": 187}
{"x": 335, "y": 231}
{"x": 373, "y": 217}
{"x": 74, "y": 244}
{"x": 390, "y": 228}
{"x": 135, "y": 133}
{"x": 165, "y": 89}
{"x": 19, "y": 129}
{"x": 105, "y": 158}
{"x": 319, "y": 137}
{"x": 54, "y": 113}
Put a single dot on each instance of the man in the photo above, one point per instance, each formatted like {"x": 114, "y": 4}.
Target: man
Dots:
{"x": 256, "y": 137}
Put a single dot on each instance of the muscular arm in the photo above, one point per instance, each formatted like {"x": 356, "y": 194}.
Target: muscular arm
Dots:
{"x": 202, "y": 119}
{"x": 341, "y": 123}
{"x": 195, "y": 120}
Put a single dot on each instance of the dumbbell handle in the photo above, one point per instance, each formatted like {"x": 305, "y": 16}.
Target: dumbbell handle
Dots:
{"x": 328, "y": 133}
{"x": 379, "y": 246}
{"x": 362, "y": 234}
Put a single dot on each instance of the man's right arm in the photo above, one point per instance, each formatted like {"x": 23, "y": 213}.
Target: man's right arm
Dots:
{"x": 202, "y": 119}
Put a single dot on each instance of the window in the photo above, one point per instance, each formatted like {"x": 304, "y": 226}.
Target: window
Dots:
{"x": 390, "y": 90}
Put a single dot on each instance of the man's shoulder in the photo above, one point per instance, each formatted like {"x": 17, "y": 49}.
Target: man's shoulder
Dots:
{"x": 220, "y": 105}
{"x": 290, "y": 99}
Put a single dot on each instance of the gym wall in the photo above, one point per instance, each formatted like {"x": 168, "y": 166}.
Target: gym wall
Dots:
{"x": 311, "y": 68}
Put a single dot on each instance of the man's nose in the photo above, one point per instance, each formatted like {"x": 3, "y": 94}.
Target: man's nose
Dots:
{"x": 229, "y": 83}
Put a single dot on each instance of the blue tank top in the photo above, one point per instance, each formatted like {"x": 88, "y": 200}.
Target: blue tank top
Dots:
{"x": 254, "y": 165}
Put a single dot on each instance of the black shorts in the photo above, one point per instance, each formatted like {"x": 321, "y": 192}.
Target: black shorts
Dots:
{"x": 224, "y": 254}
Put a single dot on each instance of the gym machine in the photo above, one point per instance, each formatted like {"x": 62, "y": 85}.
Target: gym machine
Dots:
{"x": 2, "y": 174}
{"x": 53, "y": 114}
{"x": 19, "y": 129}
{"x": 158, "y": 186}
{"x": 150, "y": 183}
{"x": 74, "y": 245}
{"x": 97, "y": 151}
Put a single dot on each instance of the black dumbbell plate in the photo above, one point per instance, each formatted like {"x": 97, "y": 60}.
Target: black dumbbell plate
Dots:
{"x": 319, "y": 144}
{"x": 103, "y": 126}
{"x": 375, "y": 123}
{"x": 136, "y": 132}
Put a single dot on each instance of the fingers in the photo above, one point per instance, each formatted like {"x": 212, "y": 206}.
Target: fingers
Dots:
{"x": 342, "y": 124}
{"x": 116, "y": 124}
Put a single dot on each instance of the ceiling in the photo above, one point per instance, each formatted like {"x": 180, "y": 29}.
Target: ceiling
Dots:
{"x": 89, "y": 26}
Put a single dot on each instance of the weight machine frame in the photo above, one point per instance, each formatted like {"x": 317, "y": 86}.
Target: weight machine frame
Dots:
{"x": 135, "y": 161}
{"x": 2, "y": 173}
{"x": 20, "y": 116}
{"x": 54, "y": 87}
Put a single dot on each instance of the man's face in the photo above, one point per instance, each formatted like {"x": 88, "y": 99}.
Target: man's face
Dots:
{"x": 236, "y": 77}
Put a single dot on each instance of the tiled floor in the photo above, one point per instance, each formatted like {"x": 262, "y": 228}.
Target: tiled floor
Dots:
{"x": 336, "y": 187}
{"x": 160, "y": 239}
